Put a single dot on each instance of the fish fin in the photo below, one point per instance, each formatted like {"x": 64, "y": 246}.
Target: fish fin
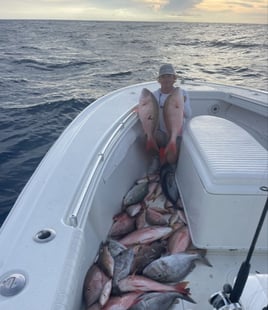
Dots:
{"x": 184, "y": 284}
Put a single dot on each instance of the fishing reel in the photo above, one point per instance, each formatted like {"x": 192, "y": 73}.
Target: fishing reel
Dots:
{"x": 221, "y": 300}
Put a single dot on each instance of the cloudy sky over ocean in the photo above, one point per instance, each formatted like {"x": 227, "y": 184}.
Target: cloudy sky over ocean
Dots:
{"x": 225, "y": 11}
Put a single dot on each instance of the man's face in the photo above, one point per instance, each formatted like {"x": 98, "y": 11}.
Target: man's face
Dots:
{"x": 167, "y": 80}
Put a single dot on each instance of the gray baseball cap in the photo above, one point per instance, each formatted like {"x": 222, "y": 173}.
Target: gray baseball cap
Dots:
{"x": 166, "y": 69}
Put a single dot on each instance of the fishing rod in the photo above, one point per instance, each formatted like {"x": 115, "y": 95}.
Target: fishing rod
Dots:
{"x": 229, "y": 297}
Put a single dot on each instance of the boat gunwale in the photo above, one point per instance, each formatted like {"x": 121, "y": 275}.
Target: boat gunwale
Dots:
{"x": 128, "y": 118}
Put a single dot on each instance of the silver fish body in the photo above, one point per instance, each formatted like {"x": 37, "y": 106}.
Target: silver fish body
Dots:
{"x": 145, "y": 254}
{"x": 122, "y": 266}
{"x": 168, "y": 183}
{"x": 136, "y": 194}
{"x": 133, "y": 210}
{"x": 173, "y": 268}
{"x": 115, "y": 247}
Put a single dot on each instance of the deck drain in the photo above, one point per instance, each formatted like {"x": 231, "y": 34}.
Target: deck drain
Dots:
{"x": 214, "y": 109}
{"x": 45, "y": 235}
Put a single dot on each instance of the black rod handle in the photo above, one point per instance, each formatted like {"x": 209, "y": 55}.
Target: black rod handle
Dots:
{"x": 243, "y": 273}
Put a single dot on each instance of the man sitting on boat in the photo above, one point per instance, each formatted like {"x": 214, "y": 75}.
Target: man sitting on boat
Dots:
{"x": 167, "y": 77}
{"x": 163, "y": 114}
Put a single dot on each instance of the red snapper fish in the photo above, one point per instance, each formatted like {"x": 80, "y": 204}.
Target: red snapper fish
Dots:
{"x": 93, "y": 284}
{"x": 106, "y": 292}
{"x": 105, "y": 260}
{"x": 146, "y": 235}
{"x": 179, "y": 241}
{"x": 173, "y": 116}
{"x": 123, "y": 302}
{"x": 153, "y": 300}
{"x": 148, "y": 111}
{"x": 143, "y": 284}
{"x": 95, "y": 306}
{"x": 122, "y": 224}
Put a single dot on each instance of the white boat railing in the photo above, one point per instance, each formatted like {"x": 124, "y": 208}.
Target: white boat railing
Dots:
{"x": 73, "y": 218}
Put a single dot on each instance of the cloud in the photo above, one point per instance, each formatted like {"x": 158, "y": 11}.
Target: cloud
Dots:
{"x": 219, "y": 4}
{"x": 153, "y": 4}
{"x": 247, "y": 11}
{"x": 166, "y": 5}
{"x": 236, "y": 3}
{"x": 175, "y": 5}
{"x": 159, "y": 10}
{"x": 140, "y": 9}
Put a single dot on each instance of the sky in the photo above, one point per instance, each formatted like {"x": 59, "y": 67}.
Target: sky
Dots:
{"x": 225, "y": 11}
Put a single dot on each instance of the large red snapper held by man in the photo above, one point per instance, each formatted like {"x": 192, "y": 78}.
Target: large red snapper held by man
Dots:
{"x": 173, "y": 116}
{"x": 148, "y": 112}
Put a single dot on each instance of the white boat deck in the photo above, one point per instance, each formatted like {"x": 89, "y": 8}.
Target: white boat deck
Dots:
{"x": 205, "y": 281}
{"x": 79, "y": 186}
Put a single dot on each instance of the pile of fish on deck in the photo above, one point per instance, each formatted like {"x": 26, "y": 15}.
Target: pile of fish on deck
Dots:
{"x": 148, "y": 252}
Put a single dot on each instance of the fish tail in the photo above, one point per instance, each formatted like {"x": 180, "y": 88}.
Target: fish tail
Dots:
{"x": 171, "y": 148}
{"x": 171, "y": 152}
{"x": 205, "y": 261}
{"x": 187, "y": 298}
{"x": 182, "y": 288}
{"x": 151, "y": 145}
{"x": 162, "y": 155}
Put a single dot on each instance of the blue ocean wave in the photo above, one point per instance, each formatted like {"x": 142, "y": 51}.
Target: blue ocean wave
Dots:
{"x": 42, "y": 65}
{"x": 117, "y": 74}
{"x": 238, "y": 45}
{"x": 26, "y": 135}
{"x": 221, "y": 44}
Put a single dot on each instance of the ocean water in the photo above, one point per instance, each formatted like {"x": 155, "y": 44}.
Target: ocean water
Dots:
{"x": 52, "y": 70}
